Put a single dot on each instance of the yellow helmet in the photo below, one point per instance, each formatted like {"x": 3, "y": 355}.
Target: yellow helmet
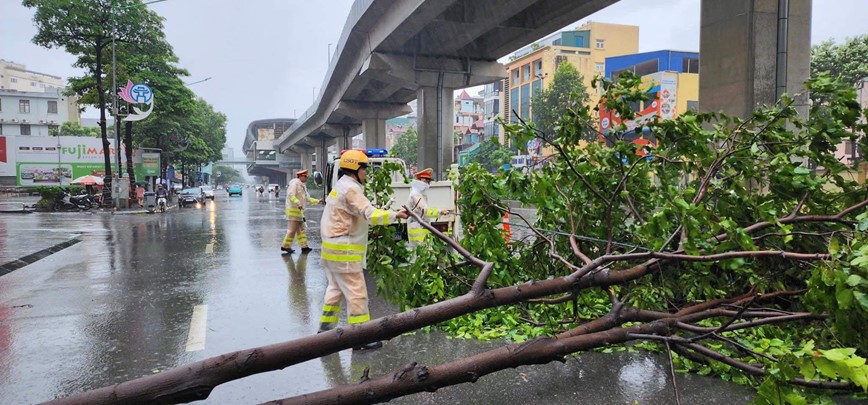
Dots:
{"x": 353, "y": 159}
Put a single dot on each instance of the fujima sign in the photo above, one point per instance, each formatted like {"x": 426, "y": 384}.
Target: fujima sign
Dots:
{"x": 37, "y": 160}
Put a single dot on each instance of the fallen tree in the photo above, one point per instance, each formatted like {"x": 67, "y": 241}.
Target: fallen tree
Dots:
{"x": 723, "y": 247}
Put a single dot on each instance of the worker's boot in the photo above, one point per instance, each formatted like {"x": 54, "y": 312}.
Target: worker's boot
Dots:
{"x": 369, "y": 346}
{"x": 306, "y": 249}
{"x": 287, "y": 250}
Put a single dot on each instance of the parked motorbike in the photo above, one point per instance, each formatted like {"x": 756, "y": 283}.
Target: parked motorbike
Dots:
{"x": 84, "y": 200}
{"x": 64, "y": 202}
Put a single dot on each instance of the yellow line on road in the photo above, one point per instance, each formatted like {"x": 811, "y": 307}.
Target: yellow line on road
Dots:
{"x": 196, "y": 336}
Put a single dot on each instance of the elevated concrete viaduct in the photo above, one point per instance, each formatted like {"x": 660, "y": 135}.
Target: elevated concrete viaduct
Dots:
{"x": 394, "y": 51}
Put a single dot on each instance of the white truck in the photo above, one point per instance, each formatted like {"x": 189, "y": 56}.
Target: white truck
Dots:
{"x": 441, "y": 194}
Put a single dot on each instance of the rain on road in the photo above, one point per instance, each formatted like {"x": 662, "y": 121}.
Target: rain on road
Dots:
{"x": 131, "y": 295}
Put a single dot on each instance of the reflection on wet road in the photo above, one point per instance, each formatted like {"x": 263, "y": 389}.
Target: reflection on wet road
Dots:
{"x": 142, "y": 293}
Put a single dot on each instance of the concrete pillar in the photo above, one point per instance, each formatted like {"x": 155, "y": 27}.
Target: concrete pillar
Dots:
{"x": 321, "y": 155}
{"x": 305, "y": 160}
{"x": 435, "y": 109}
{"x": 345, "y": 140}
{"x": 751, "y": 51}
{"x": 374, "y": 131}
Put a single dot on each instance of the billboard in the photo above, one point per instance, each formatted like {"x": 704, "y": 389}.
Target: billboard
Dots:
{"x": 150, "y": 164}
{"x": 662, "y": 89}
{"x": 46, "y": 161}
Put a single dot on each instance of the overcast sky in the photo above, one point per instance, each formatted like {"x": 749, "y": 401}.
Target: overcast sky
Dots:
{"x": 265, "y": 57}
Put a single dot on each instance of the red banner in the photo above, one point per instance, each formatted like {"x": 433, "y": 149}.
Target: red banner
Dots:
{"x": 3, "y": 149}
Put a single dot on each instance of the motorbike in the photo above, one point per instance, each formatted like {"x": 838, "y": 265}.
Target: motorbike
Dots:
{"x": 85, "y": 200}
{"x": 161, "y": 204}
{"x": 64, "y": 202}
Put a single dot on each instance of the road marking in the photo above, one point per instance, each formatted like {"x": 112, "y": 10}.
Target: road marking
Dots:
{"x": 196, "y": 337}
{"x": 209, "y": 248}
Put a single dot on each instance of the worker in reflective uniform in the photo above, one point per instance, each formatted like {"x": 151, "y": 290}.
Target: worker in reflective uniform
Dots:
{"x": 418, "y": 203}
{"x": 344, "y": 230}
{"x": 296, "y": 199}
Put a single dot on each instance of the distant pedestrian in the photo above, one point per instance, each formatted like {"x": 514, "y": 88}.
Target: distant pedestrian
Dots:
{"x": 140, "y": 195}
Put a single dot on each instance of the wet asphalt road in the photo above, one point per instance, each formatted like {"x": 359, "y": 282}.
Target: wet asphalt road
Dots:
{"x": 138, "y": 294}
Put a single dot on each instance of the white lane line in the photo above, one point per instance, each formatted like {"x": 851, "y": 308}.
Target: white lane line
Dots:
{"x": 196, "y": 336}
{"x": 209, "y": 248}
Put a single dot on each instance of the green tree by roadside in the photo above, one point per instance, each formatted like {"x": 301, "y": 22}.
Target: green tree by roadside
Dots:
{"x": 849, "y": 60}
{"x": 71, "y": 128}
{"x": 228, "y": 175}
{"x": 405, "y": 146}
{"x": 86, "y": 30}
{"x": 552, "y": 102}
{"x": 492, "y": 155}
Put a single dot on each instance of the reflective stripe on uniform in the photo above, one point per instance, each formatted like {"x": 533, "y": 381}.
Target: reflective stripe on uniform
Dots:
{"x": 343, "y": 247}
{"x": 333, "y": 194}
{"x": 432, "y": 213}
{"x": 342, "y": 258}
{"x": 331, "y": 308}
{"x": 342, "y": 252}
{"x": 380, "y": 217}
{"x": 328, "y": 319}
{"x": 358, "y": 319}
{"x": 293, "y": 200}
{"x": 293, "y": 212}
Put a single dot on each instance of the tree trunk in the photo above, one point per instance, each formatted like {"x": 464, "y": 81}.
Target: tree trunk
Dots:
{"x": 107, "y": 187}
{"x": 128, "y": 150}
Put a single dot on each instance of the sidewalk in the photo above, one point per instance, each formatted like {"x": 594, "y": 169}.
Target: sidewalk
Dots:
{"x": 16, "y": 204}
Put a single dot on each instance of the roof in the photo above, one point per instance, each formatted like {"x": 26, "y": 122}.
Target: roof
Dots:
{"x": 464, "y": 95}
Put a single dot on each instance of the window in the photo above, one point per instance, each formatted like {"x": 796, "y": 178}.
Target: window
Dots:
{"x": 601, "y": 44}
{"x": 32, "y": 84}
{"x": 559, "y": 60}
{"x": 53, "y": 129}
{"x": 537, "y": 67}
{"x": 515, "y": 76}
{"x": 599, "y": 67}
{"x": 52, "y": 107}
{"x": 14, "y": 80}
{"x": 25, "y": 129}
{"x": 690, "y": 65}
{"x": 24, "y": 106}
{"x": 525, "y": 72}
{"x": 1, "y": 104}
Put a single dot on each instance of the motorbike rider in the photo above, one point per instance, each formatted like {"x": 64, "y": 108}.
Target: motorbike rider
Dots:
{"x": 163, "y": 194}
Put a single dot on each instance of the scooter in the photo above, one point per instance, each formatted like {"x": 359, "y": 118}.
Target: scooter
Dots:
{"x": 64, "y": 203}
{"x": 83, "y": 201}
{"x": 161, "y": 204}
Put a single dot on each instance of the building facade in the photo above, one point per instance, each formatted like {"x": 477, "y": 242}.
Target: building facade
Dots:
{"x": 15, "y": 76}
{"x": 672, "y": 80}
{"x": 34, "y": 113}
{"x": 492, "y": 99}
{"x": 531, "y": 68}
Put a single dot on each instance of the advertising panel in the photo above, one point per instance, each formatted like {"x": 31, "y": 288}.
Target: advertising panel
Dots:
{"x": 45, "y": 161}
{"x": 150, "y": 164}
